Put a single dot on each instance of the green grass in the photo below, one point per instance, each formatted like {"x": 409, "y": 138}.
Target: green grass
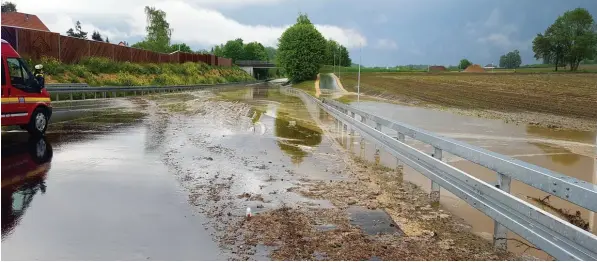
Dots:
{"x": 99, "y": 71}
{"x": 307, "y": 86}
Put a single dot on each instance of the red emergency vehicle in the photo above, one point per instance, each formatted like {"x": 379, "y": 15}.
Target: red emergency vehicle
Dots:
{"x": 25, "y": 100}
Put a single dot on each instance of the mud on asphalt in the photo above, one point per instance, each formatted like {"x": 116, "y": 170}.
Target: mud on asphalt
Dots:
{"x": 320, "y": 204}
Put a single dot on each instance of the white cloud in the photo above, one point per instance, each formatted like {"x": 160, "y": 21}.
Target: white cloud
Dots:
{"x": 194, "y": 22}
{"x": 386, "y": 44}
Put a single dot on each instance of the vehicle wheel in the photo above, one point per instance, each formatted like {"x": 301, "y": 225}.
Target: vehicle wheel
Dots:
{"x": 38, "y": 122}
{"x": 40, "y": 150}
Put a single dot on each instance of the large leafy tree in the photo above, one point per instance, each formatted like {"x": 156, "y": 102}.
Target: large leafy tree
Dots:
{"x": 571, "y": 39}
{"x": 180, "y": 47}
{"x": 234, "y": 49}
{"x": 464, "y": 63}
{"x": 77, "y": 32}
{"x": 8, "y": 7}
{"x": 332, "y": 53}
{"x": 301, "y": 50}
{"x": 344, "y": 57}
{"x": 255, "y": 51}
{"x": 271, "y": 53}
{"x": 511, "y": 60}
{"x": 158, "y": 31}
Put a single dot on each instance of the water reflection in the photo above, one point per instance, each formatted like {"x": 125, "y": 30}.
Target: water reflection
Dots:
{"x": 294, "y": 137}
{"x": 558, "y": 154}
{"x": 569, "y": 135}
{"x": 24, "y": 168}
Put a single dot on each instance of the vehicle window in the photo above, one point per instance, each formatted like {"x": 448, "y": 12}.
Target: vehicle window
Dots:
{"x": 17, "y": 71}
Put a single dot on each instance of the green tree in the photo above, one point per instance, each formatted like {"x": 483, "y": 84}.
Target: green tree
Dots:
{"x": 344, "y": 57}
{"x": 571, "y": 38}
{"x": 271, "y": 53}
{"x": 218, "y": 50}
{"x": 464, "y": 63}
{"x": 9, "y": 7}
{"x": 97, "y": 36}
{"x": 255, "y": 51}
{"x": 234, "y": 49}
{"x": 107, "y": 40}
{"x": 301, "y": 50}
{"x": 158, "y": 31}
{"x": 511, "y": 60}
{"x": 180, "y": 47}
{"x": 332, "y": 53}
{"x": 77, "y": 32}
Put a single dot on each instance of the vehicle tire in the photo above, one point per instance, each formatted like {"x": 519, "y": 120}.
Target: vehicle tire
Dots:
{"x": 40, "y": 150}
{"x": 38, "y": 122}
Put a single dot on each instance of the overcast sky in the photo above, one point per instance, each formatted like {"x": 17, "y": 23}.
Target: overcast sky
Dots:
{"x": 391, "y": 32}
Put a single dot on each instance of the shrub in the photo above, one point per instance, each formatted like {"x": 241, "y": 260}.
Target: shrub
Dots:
{"x": 53, "y": 66}
{"x": 98, "y": 65}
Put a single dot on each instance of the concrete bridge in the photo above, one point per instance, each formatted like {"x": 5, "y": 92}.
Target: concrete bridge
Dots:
{"x": 250, "y": 65}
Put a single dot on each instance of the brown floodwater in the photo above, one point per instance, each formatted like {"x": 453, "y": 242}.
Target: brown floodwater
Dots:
{"x": 569, "y": 152}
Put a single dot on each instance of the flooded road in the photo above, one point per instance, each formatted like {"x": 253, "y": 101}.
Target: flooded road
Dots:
{"x": 569, "y": 152}
{"x": 173, "y": 176}
{"x": 101, "y": 196}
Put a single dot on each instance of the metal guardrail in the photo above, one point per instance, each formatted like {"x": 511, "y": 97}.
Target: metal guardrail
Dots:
{"x": 550, "y": 233}
{"x": 84, "y": 88}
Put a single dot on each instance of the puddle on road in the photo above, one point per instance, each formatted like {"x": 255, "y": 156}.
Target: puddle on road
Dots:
{"x": 373, "y": 222}
{"x": 91, "y": 191}
{"x": 568, "y": 152}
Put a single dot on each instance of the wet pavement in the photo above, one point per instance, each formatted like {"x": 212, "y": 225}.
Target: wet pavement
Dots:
{"x": 170, "y": 177}
{"x": 99, "y": 197}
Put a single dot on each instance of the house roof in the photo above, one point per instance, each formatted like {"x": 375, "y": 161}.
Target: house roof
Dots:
{"x": 23, "y": 20}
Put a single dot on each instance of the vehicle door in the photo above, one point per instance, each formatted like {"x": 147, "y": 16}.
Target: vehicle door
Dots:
{"x": 22, "y": 85}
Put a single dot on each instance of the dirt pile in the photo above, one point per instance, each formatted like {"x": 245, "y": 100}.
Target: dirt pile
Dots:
{"x": 474, "y": 69}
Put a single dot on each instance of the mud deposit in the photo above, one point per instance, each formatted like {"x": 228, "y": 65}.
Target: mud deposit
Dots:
{"x": 309, "y": 200}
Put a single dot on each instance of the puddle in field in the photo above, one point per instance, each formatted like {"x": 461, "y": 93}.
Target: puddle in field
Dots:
{"x": 572, "y": 153}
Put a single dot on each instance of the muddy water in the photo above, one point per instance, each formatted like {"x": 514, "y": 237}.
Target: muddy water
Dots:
{"x": 568, "y": 152}
{"x": 94, "y": 194}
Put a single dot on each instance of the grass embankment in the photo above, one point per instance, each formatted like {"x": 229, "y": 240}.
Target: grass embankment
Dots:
{"x": 567, "y": 94}
{"x": 97, "y": 71}
{"x": 307, "y": 86}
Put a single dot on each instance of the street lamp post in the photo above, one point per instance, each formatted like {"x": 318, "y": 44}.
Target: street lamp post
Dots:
{"x": 359, "y": 75}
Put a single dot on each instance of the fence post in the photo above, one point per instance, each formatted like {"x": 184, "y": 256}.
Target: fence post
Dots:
{"x": 434, "y": 195}
{"x": 499, "y": 231}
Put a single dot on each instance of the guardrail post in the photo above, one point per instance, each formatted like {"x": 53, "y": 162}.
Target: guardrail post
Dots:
{"x": 434, "y": 195}
{"x": 352, "y": 129}
{"x": 83, "y": 96}
{"x": 113, "y": 94}
{"x": 94, "y": 95}
{"x": 135, "y": 92}
{"x": 500, "y": 232}
{"x": 57, "y": 97}
{"x": 377, "y": 151}
{"x": 399, "y": 165}
{"x": 71, "y": 96}
{"x": 104, "y": 94}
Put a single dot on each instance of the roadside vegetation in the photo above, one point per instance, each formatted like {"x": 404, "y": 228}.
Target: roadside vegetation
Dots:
{"x": 97, "y": 71}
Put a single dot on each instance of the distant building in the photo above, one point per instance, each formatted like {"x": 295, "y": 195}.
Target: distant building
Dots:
{"x": 490, "y": 66}
{"x": 123, "y": 43}
{"x": 436, "y": 68}
{"x": 29, "y": 21}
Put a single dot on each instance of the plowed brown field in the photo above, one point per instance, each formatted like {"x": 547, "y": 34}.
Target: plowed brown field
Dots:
{"x": 563, "y": 94}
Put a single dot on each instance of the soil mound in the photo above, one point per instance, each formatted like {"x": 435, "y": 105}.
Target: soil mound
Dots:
{"x": 474, "y": 69}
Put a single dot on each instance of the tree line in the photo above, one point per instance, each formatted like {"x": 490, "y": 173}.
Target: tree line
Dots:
{"x": 571, "y": 39}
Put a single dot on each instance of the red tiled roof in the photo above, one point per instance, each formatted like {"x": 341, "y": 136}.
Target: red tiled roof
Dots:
{"x": 23, "y": 20}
